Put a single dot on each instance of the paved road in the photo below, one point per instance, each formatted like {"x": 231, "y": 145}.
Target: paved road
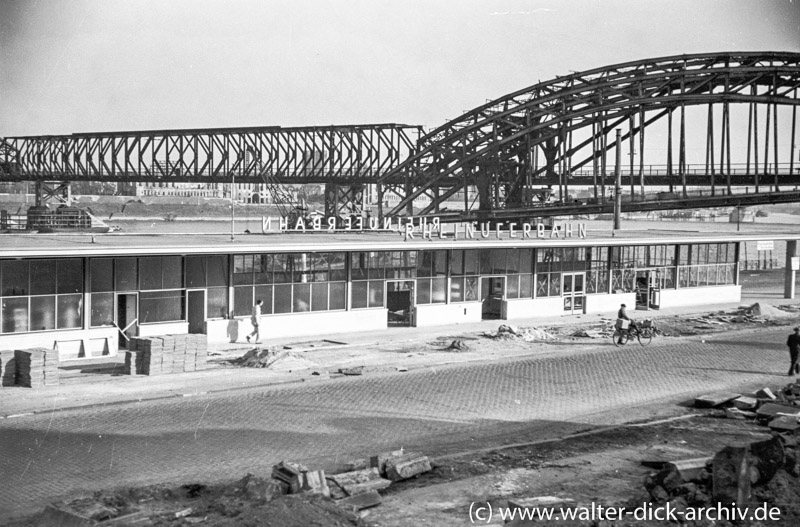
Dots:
{"x": 223, "y": 436}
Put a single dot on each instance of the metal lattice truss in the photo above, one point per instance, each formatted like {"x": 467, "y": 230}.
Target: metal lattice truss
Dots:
{"x": 319, "y": 154}
{"x": 557, "y": 131}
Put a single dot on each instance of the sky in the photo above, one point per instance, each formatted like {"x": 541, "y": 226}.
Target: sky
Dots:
{"x": 69, "y": 66}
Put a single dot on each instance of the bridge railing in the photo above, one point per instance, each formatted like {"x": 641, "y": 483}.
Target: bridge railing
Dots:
{"x": 698, "y": 170}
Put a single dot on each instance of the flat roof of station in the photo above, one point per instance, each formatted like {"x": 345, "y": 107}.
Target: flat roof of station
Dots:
{"x": 128, "y": 244}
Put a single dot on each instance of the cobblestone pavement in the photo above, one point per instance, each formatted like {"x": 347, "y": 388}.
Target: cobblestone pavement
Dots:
{"x": 437, "y": 410}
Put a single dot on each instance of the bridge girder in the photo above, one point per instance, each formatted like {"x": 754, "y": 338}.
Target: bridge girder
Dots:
{"x": 319, "y": 154}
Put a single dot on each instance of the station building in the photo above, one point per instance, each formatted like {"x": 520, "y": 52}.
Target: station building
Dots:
{"x": 87, "y": 295}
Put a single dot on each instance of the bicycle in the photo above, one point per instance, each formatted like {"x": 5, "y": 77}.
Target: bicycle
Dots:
{"x": 643, "y": 333}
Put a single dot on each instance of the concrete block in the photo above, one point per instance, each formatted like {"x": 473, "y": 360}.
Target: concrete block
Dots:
{"x": 774, "y": 409}
{"x": 745, "y": 403}
{"x": 379, "y": 461}
{"x": 407, "y": 466}
{"x": 735, "y": 413}
{"x": 366, "y": 486}
{"x": 360, "y": 501}
{"x": 314, "y": 483}
{"x": 784, "y": 423}
{"x": 712, "y": 400}
{"x": 767, "y": 457}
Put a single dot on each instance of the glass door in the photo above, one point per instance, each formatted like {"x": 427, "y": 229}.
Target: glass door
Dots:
{"x": 493, "y": 292}
{"x": 573, "y": 292}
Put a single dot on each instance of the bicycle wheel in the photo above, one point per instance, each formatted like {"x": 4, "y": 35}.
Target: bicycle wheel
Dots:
{"x": 620, "y": 337}
{"x": 644, "y": 336}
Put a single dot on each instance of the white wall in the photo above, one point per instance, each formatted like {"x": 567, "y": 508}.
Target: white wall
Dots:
{"x": 298, "y": 324}
{"x": 693, "y": 296}
{"x": 610, "y": 303}
{"x": 441, "y": 314}
{"x": 71, "y": 344}
{"x": 163, "y": 328}
{"x": 532, "y": 307}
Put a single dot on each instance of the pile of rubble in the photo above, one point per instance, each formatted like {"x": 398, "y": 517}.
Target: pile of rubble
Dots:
{"x": 294, "y": 495}
{"x": 736, "y": 474}
{"x": 505, "y": 332}
{"x": 270, "y": 358}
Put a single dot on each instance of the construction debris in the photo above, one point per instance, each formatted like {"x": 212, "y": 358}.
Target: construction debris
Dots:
{"x": 271, "y": 358}
{"x": 358, "y": 370}
{"x": 457, "y": 345}
{"x": 712, "y": 400}
{"x": 525, "y": 334}
{"x": 407, "y": 466}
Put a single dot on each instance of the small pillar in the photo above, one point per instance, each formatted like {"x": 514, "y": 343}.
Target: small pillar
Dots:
{"x": 790, "y": 276}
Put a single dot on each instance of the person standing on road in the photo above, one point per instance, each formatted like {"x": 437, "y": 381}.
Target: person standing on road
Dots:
{"x": 255, "y": 319}
{"x": 794, "y": 349}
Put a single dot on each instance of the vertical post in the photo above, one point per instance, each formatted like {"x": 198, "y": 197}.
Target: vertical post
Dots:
{"x": 631, "y": 153}
{"x": 669, "y": 150}
{"x": 682, "y": 149}
{"x": 233, "y": 202}
{"x": 618, "y": 182}
{"x": 791, "y": 273}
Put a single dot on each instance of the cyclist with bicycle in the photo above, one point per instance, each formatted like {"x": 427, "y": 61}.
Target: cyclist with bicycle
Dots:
{"x": 622, "y": 314}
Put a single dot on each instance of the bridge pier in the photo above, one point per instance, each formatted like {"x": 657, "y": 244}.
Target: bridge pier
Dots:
{"x": 53, "y": 191}
{"x": 344, "y": 201}
{"x": 790, "y": 272}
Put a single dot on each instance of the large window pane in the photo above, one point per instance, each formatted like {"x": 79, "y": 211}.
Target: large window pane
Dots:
{"x": 376, "y": 294}
{"x": 125, "y": 274}
{"x": 15, "y": 314}
{"x": 172, "y": 272}
{"x": 69, "y": 311}
{"x": 457, "y": 290}
{"x": 358, "y": 292}
{"x": 102, "y": 275}
{"x": 283, "y": 298}
{"x": 150, "y": 273}
{"x": 424, "y": 291}
{"x": 217, "y": 270}
{"x": 439, "y": 290}
{"x": 43, "y": 313}
{"x": 264, "y": 293}
{"x": 525, "y": 286}
{"x": 319, "y": 296}
{"x": 471, "y": 289}
{"x": 70, "y": 276}
{"x": 512, "y": 286}
{"x": 195, "y": 271}
{"x": 242, "y": 301}
{"x": 102, "y": 309}
{"x": 301, "y": 300}
{"x": 15, "y": 278}
{"x": 217, "y": 302}
{"x": 43, "y": 277}
{"x": 338, "y": 297}
{"x": 160, "y": 306}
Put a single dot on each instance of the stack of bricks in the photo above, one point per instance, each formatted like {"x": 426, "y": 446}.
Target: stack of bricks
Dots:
{"x": 35, "y": 369}
{"x": 166, "y": 354}
{"x": 8, "y": 368}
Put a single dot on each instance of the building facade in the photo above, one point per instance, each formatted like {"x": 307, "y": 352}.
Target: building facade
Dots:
{"x": 87, "y": 300}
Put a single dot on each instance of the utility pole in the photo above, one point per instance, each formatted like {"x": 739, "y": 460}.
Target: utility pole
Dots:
{"x": 618, "y": 181}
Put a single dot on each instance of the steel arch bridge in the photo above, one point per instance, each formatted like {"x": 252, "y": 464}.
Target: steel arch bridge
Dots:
{"x": 738, "y": 109}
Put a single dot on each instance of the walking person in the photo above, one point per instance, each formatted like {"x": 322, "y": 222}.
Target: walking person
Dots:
{"x": 794, "y": 349}
{"x": 255, "y": 319}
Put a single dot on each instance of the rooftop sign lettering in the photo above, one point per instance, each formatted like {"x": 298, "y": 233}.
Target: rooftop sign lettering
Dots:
{"x": 429, "y": 228}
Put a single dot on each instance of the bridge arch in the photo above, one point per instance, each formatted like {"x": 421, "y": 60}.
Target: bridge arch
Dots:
{"x": 558, "y": 133}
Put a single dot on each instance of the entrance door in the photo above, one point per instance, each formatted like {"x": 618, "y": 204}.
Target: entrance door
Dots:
{"x": 126, "y": 317}
{"x": 400, "y": 302}
{"x": 493, "y": 291}
{"x": 573, "y": 292}
{"x": 643, "y": 289}
{"x": 655, "y": 290}
{"x": 196, "y": 310}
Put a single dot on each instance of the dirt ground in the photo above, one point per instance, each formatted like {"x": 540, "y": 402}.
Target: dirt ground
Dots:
{"x": 599, "y": 467}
